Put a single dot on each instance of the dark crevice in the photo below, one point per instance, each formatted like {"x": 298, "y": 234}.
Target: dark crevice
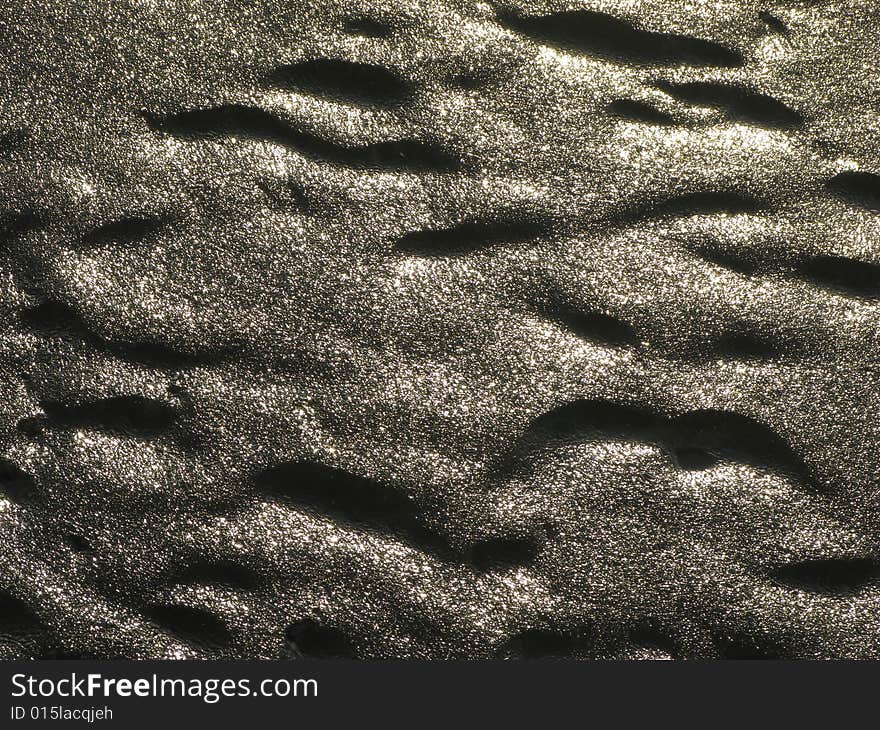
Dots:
{"x": 363, "y": 25}
{"x": 405, "y": 155}
{"x": 774, "y": 23}
{"x": 16, "y": 617}
{"x": 691, "y": 458}
{"x": 598, "y": 34}
{"x": 744, "y": 265}
{"x": 858, "y": 188}
{"x": 474, "y": 235}
{"x": 163, "y": 356}
{"x": 31, "y": 426}
{"x": 545, "y": 644}
{"x": 640, "y": 111}
{"x": 124, "y": 415}
{"x": 739, "y": 438}
{"x": 54, "y": 318}
{"x": 57, "y": 319}
{"x": 20, "y": 624}
{"x": 290, "y": 194}
{"x": 745, "y": 347}
{"x": 218, "y": 572}
{"x": 648, "y": 636}
{"x": 308, "y": 639}
{"x": 78, "y": 543}
{"x": 349, "y": 498}
{"x": 855, "y": 278}
{"x": 16, "y": 224}
{"x": 738, "y": 103}
{"x": 251, "y": 123}
{"x": 16, "y": 484}
{"x": 359, "y": 83}
{"x": 697, "y": 439}
{"x": 55, "y": 653}
{"x": 830, "y": 576}
{"x": 191, "y": 625}
{"x": 472, "y": 80}
{"x": 701, "y": 203}
{"x": 503, "y": 553}
{"x": 579, "y": 420}
{"x": 844, "y": 275}
{"x": 592, "y": 326}
{"x": 584, "y": 417}
{"x": 126, "y": 231}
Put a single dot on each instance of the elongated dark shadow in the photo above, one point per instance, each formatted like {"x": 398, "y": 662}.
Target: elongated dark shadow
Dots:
{"x": 589, "y": 417}
{"x": 737, "y": 102}
{"x": 832, "y": 576}
{"x": 125, "y": 231}
{"x": 578, "y": 420}
{"x": 649, "y": 636}
{"x": 12, "y": 140}
{"x": 733, "y": 437}
{"x": 18, "y": 223}
{"x": 353, "y": 500}
{"x": 640, "y": 111}
{"x": 547, "y": 644}
{"x": 56, "y": 319}
{"x": 774, "y": 23}
{"x": 590, "y": 325}
{"x": 134, "y": 415}
{"x": 857, "y": 188}
{"x": 350, "y": 498}
{"x": 16, "y": 617}
{"x": 193, "y": 626}
{"x": 244, "y": 122}
{"x": 358, "y": 83}
{"x": 311, "y": 640}
{"x": 475, "y": 235}
{"x": 15, "y": 483}
{"x": 367, "y": 27}
{"x": 217, "y": 572}
{"x": 697, "y": 439}
{"x": 722, "y": 202}
{"x": 751, "y": 346}
{"x": 846, "y": 276}
{"x": 503, "y": 553}
{"x": 598, "y": 34}
{"x": 747, "y": 265}
{"x": 851, "y": 277}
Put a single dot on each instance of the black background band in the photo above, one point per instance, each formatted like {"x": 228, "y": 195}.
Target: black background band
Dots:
{"x": 534, "y": 694}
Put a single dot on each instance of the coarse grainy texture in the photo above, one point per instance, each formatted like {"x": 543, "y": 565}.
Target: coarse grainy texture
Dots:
{"x": 439, "y": 329}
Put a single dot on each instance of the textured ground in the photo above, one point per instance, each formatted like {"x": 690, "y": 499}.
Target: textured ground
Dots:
{"x": 441, "y": 329}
